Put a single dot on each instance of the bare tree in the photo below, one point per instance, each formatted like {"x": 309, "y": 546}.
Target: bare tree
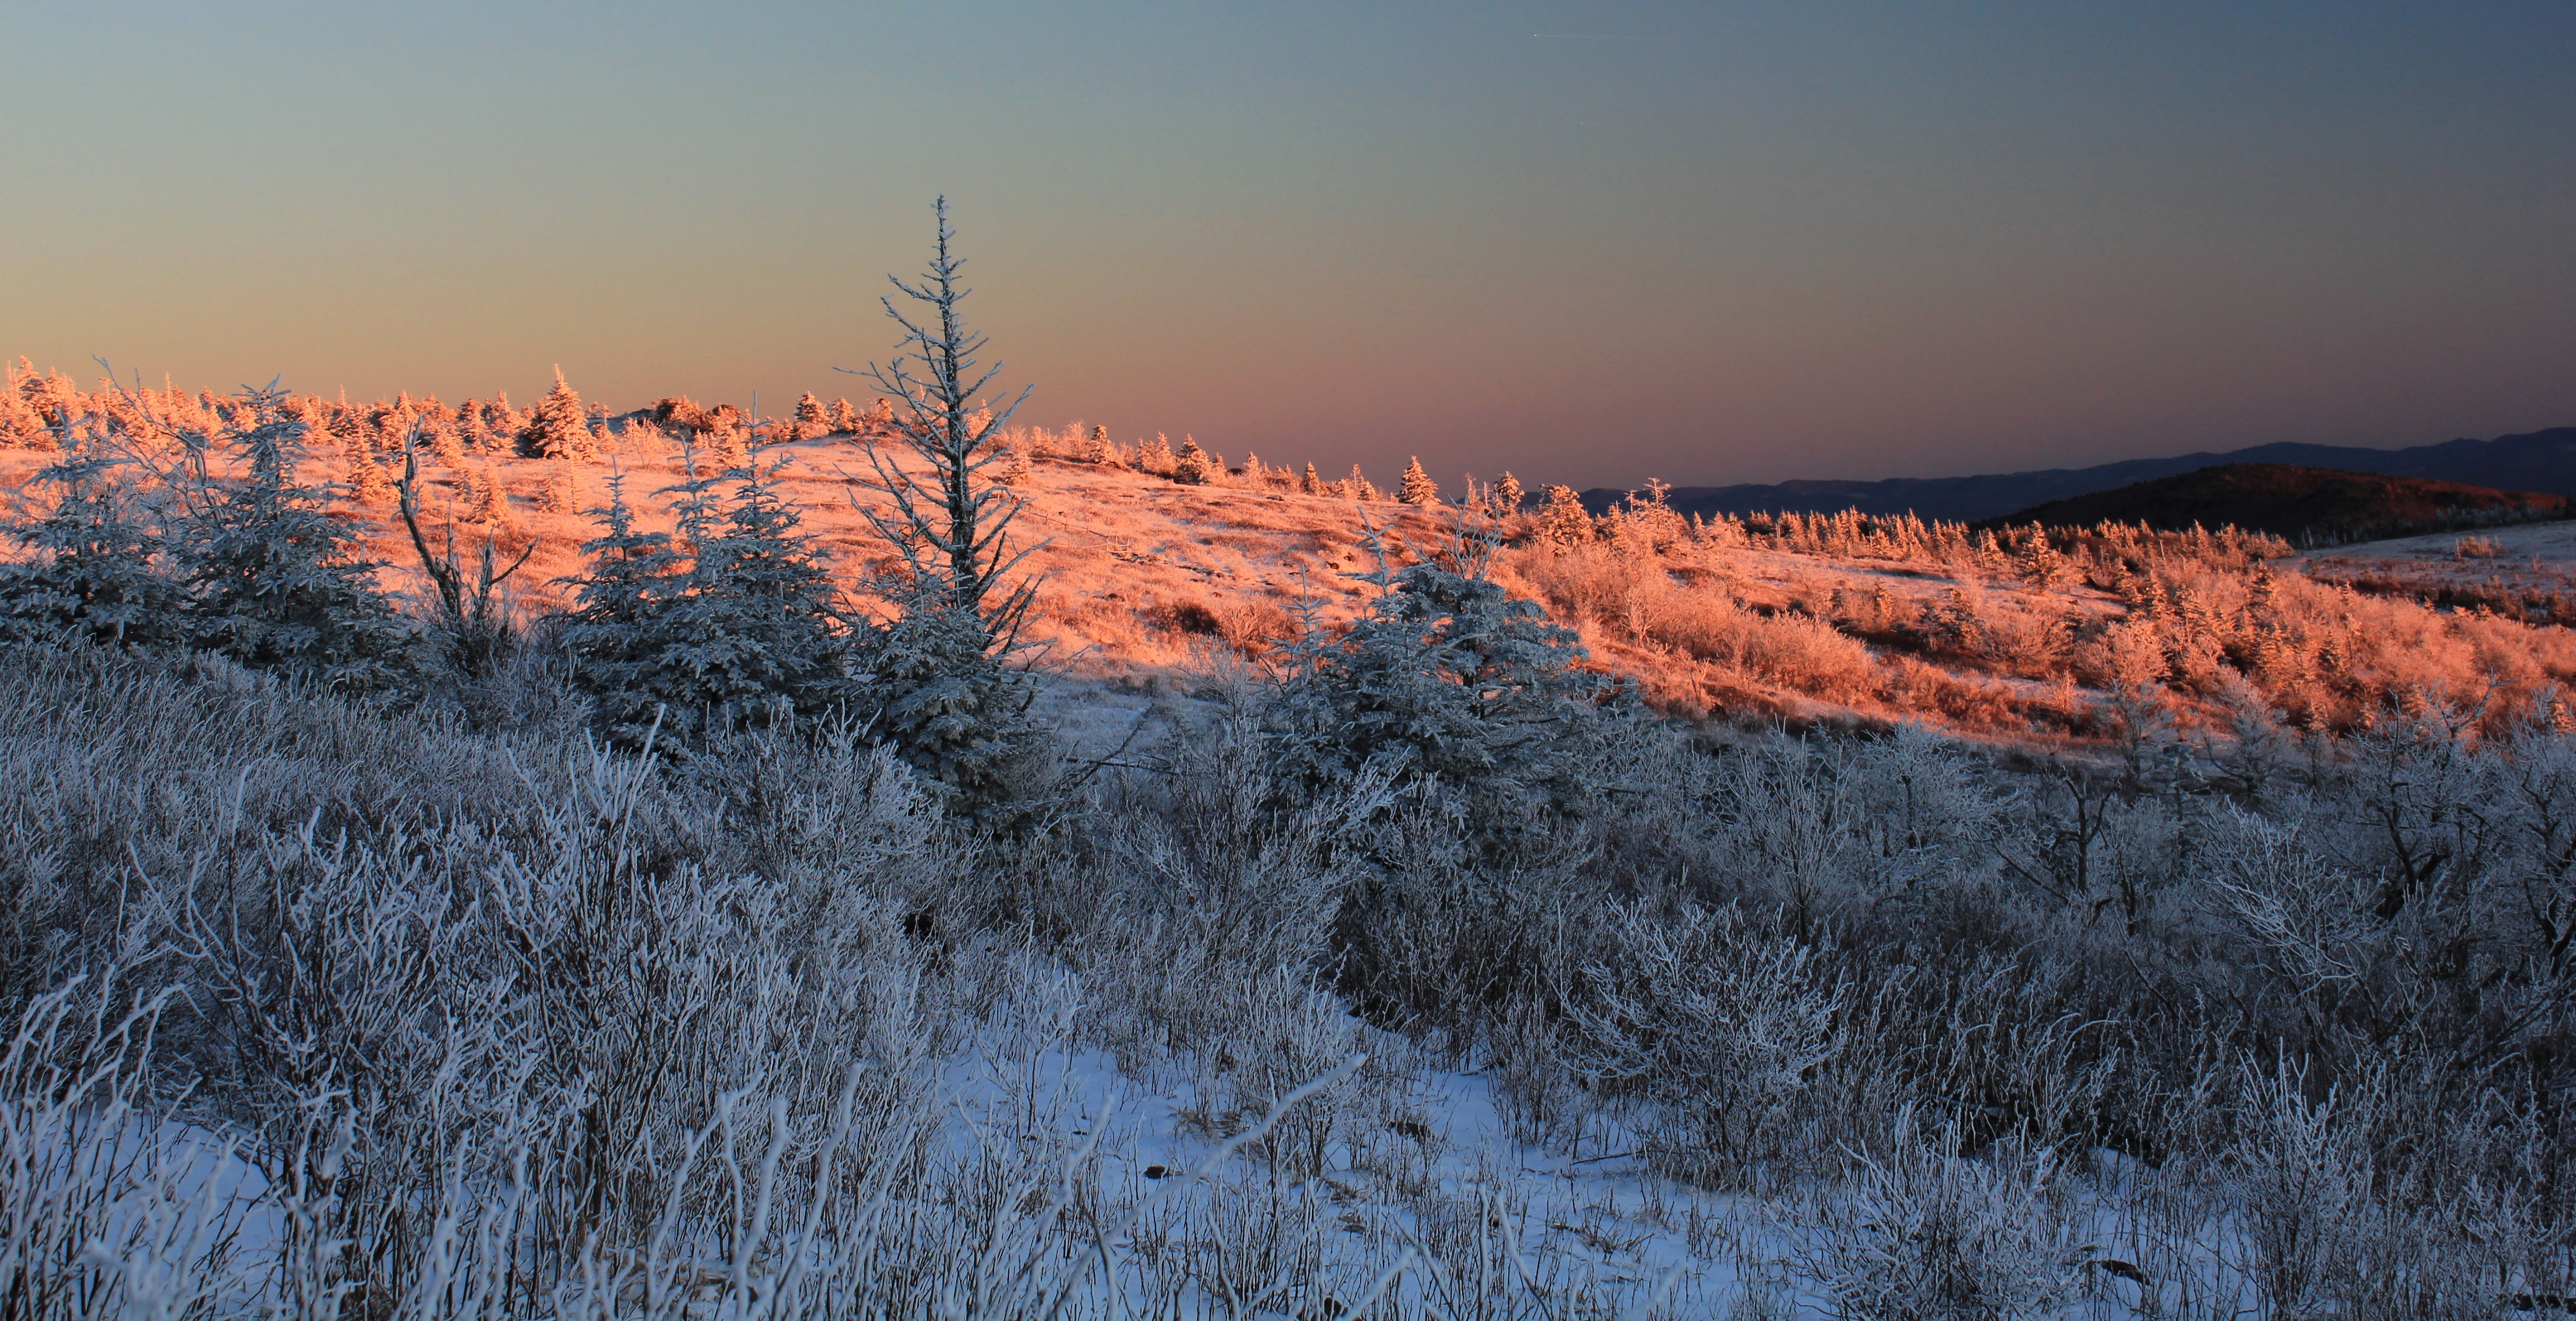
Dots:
{"x": 950, "y": 525}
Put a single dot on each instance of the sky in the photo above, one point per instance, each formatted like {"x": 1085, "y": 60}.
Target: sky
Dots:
{"x": 1592, "y": 243}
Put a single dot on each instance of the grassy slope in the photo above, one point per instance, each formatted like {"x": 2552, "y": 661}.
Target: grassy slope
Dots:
{"x": 1145, "y": 578}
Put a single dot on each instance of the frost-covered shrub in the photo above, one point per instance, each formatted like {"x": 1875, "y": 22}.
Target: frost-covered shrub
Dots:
{"x": 1715, "y": 1024}
{"x": 1935, "y": 1234}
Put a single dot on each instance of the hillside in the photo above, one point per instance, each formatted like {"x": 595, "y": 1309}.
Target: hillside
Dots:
{"x": 2305, "y": 505}
{"x": 2537, "y": 461}
{"x": 1149, "y": 584}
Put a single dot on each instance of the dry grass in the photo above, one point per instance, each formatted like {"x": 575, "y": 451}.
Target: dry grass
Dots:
{"x": 1843, "y": 620}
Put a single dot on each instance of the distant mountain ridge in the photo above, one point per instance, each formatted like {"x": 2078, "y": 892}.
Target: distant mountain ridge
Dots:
{"x": 2537, "y": 461}
{"x": 2305, "y": 505}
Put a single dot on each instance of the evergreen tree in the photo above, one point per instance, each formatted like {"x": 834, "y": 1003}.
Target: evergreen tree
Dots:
{"x": 276, "y": 579}
{"x": 879, "y": 424}
{"x": 613, "y": 634}
{"x": 369, "y": 483}
{"x": 1191, "y": 466}
{"x": 745, "y": 634}
{"x": 20, "y": 425}
{"x": 445, "y": 446}
{"x": 1099, "y": 450}
{"x": 1418, "y": 488}
{"x": 811, "y": 420}
{"x": 1449, "y": 689}
{"x": 500, "y": 421}
{"x": 843, "y": 417}
{"x": 937, "y": 685}
{"x": 89, "y": 570}
{"x": 487, "y": 500}
{"x": 558, "y": 495}
{"x": 1155, "y": 456}
{"x": 1312, "y": 483}
{"x": 471, "y": 431}
{"x": 560, "y": 427}
{"x": 1563, "y": 520}
{"x": 1507, "y": 496}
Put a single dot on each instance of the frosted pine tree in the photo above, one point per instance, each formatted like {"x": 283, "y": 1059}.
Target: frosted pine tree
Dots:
{"x": 1563, "y": 520}
{"x": 560, "y": 426}
{"x": 1099, "y": 449}
{"x": 843, "y": 418}
{"x": 877, "y": 424}
{"x": 1191, "y": 466}
{"x": 1155, "y": 456}
{"x": 369, "y": 483}
{"x": 21, "y": 426}
{"x": 277, "y": 580}
{"x": 934, "y": 675}
{"x": 746, "y": 634}
{"x": 487, "y": 499}
{"x": 88, "y": 567}
{"x": 501, "y": 421}
{"x": 619, "y": 653}
{"x": 1418, "y": 488}
{"x": 1507, "y": 496}
{"x": 1311, "y": 483}
{"x": 438, "y": 427}
{"x": 811, "y": 419}
{"x": 1449, "y": 690}
{"x": 558, "y": 495}
{"x": 471, "y": 430}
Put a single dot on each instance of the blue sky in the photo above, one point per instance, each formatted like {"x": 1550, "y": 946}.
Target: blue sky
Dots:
{"x": 1594, "y": 244}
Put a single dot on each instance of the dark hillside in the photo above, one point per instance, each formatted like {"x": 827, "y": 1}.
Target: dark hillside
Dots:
{"x": 2312, "y": 505}
{"x": 2536, "y": 461}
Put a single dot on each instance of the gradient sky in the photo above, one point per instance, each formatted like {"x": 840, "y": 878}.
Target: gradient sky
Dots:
{"x": 1590, "y": 243}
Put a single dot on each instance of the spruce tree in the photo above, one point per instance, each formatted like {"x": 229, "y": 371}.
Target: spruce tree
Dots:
{"x": 613, "y": 634}
{"x": 500, "y": 421}
{"x": 935, "y": 679}
{"x": 487, "y": 499}
{"x": 89, "y": 571}
{"x": 811, "y": 419}
{"x": 1448, "y": 689}
{"x": 1418, "y": 488}
{"x": 20, "y": 424}
{"x": 277, "y": 581}
{"x": 1312, "y": 483}
{"x": 1563, "y": 519}
{"x": 733, "y": 624}
{"x": 1507, "y": 496}
{"x": 471, "y": 430}
{"x": 1099, "y": 450}
{"x": 559, "y": 428}
{"x": 1191, "y": 466}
